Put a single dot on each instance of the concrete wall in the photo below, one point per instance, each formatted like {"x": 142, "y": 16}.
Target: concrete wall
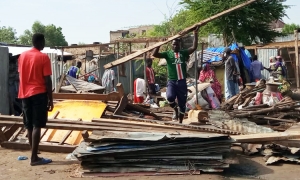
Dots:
{"x": 4, "y": 61}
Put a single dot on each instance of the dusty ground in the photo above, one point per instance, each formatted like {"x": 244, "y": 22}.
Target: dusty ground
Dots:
{"x": 249, "y": 168}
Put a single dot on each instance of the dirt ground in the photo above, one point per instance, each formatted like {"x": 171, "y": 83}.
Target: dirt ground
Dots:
{"x": 248, "y": 168}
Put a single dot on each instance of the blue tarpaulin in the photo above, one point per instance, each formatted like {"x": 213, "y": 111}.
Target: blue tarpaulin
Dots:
{"x": 245, "y": 58}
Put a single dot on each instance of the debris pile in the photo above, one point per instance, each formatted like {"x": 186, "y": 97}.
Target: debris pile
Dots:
{"x": 139, "y": 153}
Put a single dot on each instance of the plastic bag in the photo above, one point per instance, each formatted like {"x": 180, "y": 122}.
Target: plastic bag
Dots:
{"x": 258, "y": 98}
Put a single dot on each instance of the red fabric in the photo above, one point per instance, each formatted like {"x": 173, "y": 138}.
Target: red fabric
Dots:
{"x": 135, "y": 98}
{"x": 150, "y": 75}
{"x": 33, "y": 66}
{"x": 208, "y": 74}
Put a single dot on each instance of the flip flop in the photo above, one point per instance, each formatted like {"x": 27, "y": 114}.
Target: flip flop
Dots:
{"x": 42, "y": 161}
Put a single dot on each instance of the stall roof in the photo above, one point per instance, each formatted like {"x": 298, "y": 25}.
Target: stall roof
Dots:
{"x": 18, "y": 50}
{"x": 274, "y": 45}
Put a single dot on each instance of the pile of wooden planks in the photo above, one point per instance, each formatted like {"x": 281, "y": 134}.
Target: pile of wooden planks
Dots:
{"x": 244, "y": 97}
{"x": 114, "y": 153}
{"x": 285, "y": 111}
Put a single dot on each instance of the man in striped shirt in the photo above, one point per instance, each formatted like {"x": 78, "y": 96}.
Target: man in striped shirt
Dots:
{"x": 176, "y": 63}
{"x": 150, "y": 77}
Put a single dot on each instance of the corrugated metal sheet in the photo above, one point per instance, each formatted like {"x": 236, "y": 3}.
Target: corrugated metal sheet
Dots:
{"x": 4, "y": 68}
{"x": 55, "y": 69}
{"x": 289, "y": 37}
{"x": 123, "y": 79}
{"x": 264, "y": 56}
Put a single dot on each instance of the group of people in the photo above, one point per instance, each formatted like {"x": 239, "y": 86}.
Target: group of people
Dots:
{"x": 35, "y": 88}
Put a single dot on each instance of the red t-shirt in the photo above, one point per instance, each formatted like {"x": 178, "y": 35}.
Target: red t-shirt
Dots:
{"x": 33, "y": 66}
{"x": 150, "y": 75}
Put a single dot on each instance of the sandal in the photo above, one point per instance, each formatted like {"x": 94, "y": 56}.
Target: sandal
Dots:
{"x": 42, "y": 161}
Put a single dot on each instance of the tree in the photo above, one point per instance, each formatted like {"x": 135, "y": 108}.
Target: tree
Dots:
{"x": 289, "y": 28}
{"x": 247, "y": 24}
{"x": 53, "y": 35}
{"x": 8, "y": 35}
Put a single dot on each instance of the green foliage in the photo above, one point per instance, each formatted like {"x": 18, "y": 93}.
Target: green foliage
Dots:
{"x": 8, "y": 35}
{"x": 53, "y": 34}
{"x": 247, "y": 24}
{"x": 289, "y": 28}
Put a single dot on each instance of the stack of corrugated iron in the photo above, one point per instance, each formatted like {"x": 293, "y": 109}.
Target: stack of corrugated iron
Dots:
{"x": 106, "y": 153}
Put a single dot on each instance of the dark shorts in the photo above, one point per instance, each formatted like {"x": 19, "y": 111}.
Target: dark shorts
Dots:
{"x": 35, "y": 111}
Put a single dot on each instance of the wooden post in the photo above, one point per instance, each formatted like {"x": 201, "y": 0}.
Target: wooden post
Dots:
{"x": 120, "y": 90}
{"x": 297, "y": 57}
{"x": 130, "y": 74}
{"x": 118, "y": 67}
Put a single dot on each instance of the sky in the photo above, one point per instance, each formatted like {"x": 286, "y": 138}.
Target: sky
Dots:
{"x": 91, "y": 21}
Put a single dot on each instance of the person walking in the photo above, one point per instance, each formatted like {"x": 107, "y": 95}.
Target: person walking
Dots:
{"x": 176, "y": 64}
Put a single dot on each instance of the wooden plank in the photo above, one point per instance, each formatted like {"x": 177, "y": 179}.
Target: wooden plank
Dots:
{"x": 10, "y": 131}
{"x": 114, "y": 96}
{"x": 16, "y": 134}
{"x": 182, "y": 33}
{"x": 67, "y": 135}
{"x": 60, "y": 83}
{"x": 42, "y": 147}
{"x": 122, "y": 105}
{"x": 142, "y": 110}
{"x": 120, "y": 90}
{"x": 266, "y": 137}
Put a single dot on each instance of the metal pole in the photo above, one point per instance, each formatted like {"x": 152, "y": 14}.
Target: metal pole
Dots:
{"x": 98, "y": 63}
{"x": 202, "y": 50}
{"x": 118, "y": 69}
{"x": 130, "y": 72}
{"x": 62, "y": 62}
{"x": 297, "y": 57}
{"x": 145, "y": 72}
{"x": 196, "y": 72}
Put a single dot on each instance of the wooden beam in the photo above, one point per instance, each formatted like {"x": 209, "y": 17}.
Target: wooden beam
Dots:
{"x": 9, "y": 132}
{"x": 120, "y": 90}
{"x": 140, "y": 40}
{"x": 42, "y": 147}
{"x": 182, "y": 33}
{"x": 266, "y": 137}
{"x": 67, "y": 135}
{"x": 297, "y": 58}
{"x": 114, "y": 96}
{"x": 16, "y": 134}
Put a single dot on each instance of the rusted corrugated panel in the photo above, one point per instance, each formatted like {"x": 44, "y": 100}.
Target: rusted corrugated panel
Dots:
{"x": 264, "y": 56}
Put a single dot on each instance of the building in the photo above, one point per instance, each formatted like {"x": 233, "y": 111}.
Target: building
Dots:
{"x": 131, "y": 32}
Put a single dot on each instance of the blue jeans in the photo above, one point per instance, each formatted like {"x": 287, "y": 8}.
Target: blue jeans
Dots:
{"x": 232, "y": 88}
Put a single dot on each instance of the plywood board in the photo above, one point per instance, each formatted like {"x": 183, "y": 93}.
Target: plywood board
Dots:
{"x": 73, "y": 109}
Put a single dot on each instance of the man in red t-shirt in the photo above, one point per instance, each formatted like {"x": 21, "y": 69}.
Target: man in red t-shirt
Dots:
{"x": 35, "y": 90}
{"x": 150, "y": 77}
